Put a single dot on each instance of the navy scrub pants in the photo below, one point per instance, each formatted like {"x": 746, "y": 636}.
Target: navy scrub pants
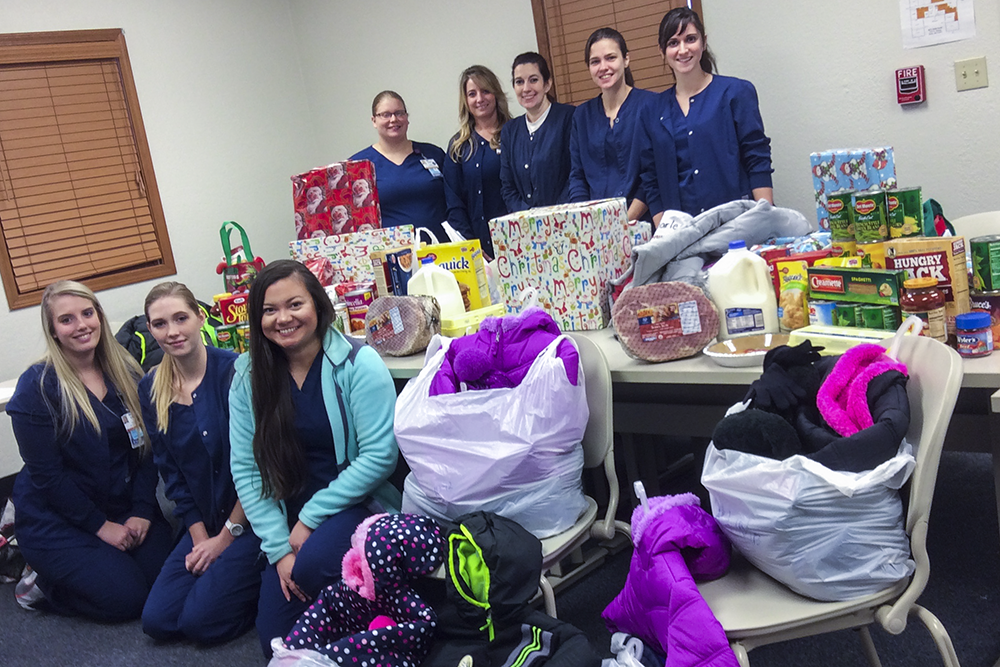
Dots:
{"x": 214, "y": 607}
{"x": 96, "y": 580}
{"x": 318, "y": 564}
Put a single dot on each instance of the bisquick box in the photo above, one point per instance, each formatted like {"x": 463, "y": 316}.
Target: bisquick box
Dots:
{"x": 465, "y": 260}
{"x": 876, "y": 286}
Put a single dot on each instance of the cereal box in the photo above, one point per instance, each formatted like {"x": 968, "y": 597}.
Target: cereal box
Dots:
{"x": 936, "y": 257}
{"x": 568, "y": 254}
{"x": 350, "y": 254}
{"x": 465, "y": 260}
{"x": 339, "y": 198}
{"x": 850, "y": 169}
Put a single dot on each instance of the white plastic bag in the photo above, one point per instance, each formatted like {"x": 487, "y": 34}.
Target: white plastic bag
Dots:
{"x": 282, "y": 656}
{"x": 826, "y": 534}
{"x": 512, "y": 451}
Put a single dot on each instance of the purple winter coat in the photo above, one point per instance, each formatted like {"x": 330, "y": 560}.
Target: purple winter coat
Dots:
{"x": 676, "y": 542}
{"x": 501, "y": 352}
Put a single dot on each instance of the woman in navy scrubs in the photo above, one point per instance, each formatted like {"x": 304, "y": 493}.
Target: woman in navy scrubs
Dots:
{"x": 207, "y": 590}
{"x": 472, "y": 168}
{"x": 312, "y": 440}
{"x": 534, "y": 148}
{"x": 601, "y": 147}
{"x": 87, "y": 518}
{"x": 408, "y": 174}
{"x": 702, "y": 141}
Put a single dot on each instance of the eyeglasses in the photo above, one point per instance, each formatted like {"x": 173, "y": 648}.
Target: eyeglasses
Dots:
{"x": 388, "y": 115}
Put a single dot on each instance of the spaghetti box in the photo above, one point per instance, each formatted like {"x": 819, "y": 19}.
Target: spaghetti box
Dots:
{"x": 234, "y": 308}
{"x": 876, "y": 286}
{"x": 465, "y": 260}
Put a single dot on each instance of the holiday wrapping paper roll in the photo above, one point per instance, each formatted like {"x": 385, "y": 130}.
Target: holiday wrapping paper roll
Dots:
{"x": 345, "y": 257}
{"x": 568, "y": 254}
{"x": 850, "y": 169}
{"x": 339, "y": 198}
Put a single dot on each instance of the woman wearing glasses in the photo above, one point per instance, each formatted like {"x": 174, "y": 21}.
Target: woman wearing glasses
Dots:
{"x": 407, "y": 173}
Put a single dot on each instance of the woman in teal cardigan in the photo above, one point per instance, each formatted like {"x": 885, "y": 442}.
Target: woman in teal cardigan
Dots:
{"x": 311, "y": 434}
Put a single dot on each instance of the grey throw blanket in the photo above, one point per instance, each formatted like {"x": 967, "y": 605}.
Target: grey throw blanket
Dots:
{"x": 682, "y": 244}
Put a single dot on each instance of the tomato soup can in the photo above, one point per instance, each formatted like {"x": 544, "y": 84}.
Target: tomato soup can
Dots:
{"x": 870, "y": 217}
{"x": 985, "y": 263}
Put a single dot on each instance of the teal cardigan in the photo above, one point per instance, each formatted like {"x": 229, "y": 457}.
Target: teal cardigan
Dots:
{"x": 366, "y": 459}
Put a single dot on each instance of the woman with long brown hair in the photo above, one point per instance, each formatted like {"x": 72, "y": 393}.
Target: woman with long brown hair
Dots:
{"x": 472, "y": 167}
{"x": 311, "y": 431}
{"x": 87, "y": 518}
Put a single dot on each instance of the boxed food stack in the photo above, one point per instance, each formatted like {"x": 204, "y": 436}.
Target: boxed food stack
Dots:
{"x": 339, "y": 198}
{"x": 568, "y": 254}
{"x": 850, "y": 169}
{"x": 942, "y": 258}
{"x": 346, "y": 257}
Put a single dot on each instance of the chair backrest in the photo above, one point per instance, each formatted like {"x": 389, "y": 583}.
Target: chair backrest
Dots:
{"x": 977, "y": 224}
{"x": 935, "y": 377}
{"x": 597, "y": 376}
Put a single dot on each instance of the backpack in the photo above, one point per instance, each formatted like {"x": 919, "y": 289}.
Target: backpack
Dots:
{"x": 135, "y": 337}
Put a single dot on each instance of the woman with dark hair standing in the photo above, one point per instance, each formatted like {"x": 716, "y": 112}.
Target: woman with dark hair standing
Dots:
{"x": 207, "y": 590}
{"x": 702, "y": 142}
{"x": 472, "y": 167}
{"x": 87, "y": 519}
{"x": 604, "y": 163}
{"x": 311, "y": 431}
{"x": 408, "y": 174}
{"x": 534, "y": 148}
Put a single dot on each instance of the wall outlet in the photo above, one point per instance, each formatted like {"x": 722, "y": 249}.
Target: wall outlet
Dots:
{"x": 970, "y": 74}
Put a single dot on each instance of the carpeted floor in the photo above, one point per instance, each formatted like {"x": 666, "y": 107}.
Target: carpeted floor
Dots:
{"x": 964, "y": 592}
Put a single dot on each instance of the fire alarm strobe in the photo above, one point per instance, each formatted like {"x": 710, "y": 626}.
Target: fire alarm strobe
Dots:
{"x": 910, "y": 85}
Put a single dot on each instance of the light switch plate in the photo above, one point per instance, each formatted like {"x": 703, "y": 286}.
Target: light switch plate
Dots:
{"x": 970, "y": 74}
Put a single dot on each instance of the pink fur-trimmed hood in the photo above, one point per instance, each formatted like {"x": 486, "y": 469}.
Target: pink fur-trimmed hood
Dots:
{"x": 843, "y": 398}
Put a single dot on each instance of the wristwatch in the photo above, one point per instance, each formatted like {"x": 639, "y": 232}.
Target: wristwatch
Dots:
{"x": 235, "y": 529}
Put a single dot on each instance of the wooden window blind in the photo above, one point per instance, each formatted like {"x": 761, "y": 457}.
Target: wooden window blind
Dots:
{"x": 563, "y": 26}
{"x": 78, "y": 197}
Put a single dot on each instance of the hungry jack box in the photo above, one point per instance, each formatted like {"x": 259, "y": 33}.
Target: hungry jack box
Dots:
{"x": 942, "y": 258}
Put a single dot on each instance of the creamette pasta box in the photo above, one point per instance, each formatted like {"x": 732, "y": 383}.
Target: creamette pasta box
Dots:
{"x": 465, "y": 261}
{"x": 942, "y": 258}
{"x": 568, "y": 254}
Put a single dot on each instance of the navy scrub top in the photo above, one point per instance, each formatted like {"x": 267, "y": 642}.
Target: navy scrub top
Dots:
{"x": 473, "y": 191}
{"x": 534, "y": 168}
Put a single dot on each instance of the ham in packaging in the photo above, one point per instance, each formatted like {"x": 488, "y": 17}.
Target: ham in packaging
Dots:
{"x": 398, "y": 326}
{"x": 664, "y": 321}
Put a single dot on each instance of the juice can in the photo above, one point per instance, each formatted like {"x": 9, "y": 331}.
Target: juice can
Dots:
{"x": 870, "y": 221}
{"x": 838, "y": 205}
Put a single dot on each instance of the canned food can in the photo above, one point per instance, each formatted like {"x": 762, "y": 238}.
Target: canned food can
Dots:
{"x": 243, "y": 337}
{"x": 838, "y": 206}
{"x": 226, "y": 337}
{"x": 912, "y": 203}
{"x": 879, "y": 317}
{"x": 990, "y": 303}
{"x": 843, "y": 248}
{"x": 357, "y": 308}
{"x": 870, "y": 221}
{"x": 872, "y": 254}
{"x": 846, "y": 315}
{"x": 985, "y": 263}
{"x": 821, "y": 312}
{"x": 342, "y": 321}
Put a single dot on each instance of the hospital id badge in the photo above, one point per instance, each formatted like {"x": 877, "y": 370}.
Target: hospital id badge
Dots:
{"x": 133, "y": 430}
{"x": 432, "y": 166}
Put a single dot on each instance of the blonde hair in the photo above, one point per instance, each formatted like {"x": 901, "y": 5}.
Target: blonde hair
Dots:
{"x": 464, "y": 143}
{"x": 166, "y": 381}
{"x": 109, "y": 357}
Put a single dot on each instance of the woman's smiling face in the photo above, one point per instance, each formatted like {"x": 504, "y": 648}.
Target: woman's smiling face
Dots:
{"x": 530, "y": 87}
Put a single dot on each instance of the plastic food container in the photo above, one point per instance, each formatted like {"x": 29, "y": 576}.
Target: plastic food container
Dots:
{"x": 975, "y": 337}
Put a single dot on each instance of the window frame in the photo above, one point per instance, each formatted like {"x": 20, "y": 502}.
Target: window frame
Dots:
{"x": 53, "y": 48}
{"x": 573, "y": 59}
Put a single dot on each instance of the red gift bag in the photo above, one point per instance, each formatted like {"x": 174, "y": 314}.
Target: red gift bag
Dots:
{"x": 337, "y": 199}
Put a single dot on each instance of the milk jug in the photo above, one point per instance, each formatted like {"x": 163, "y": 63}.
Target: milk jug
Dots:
{"x": 440, "y": 283}
{"x": 741, "y": 288}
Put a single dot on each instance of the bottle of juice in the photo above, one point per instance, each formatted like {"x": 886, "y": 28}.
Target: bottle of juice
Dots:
{"x": 440, "y": 283}
{"x": 741, "y": 288}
